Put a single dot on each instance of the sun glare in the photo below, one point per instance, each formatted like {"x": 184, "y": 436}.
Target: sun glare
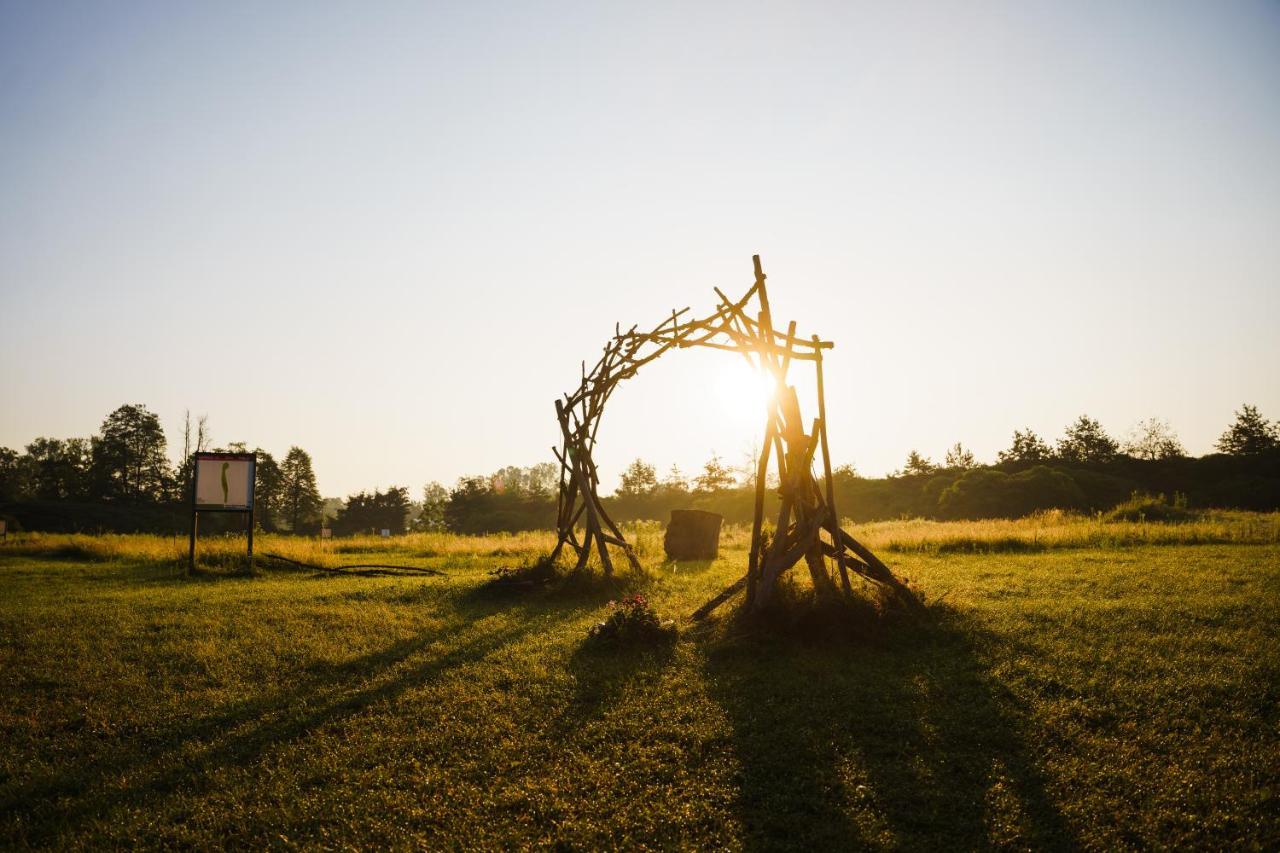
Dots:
{"x": 746, "y": 390}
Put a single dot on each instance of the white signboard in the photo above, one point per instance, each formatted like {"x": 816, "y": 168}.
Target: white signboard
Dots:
{"x": 224, "y": 483}
{"x": 386, "y": 532}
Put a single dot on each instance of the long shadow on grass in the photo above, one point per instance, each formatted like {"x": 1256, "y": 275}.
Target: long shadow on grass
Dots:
{"x": 906, "y": 741}
{"x": 602, "y": 675}
{"x": 176, "y": 759}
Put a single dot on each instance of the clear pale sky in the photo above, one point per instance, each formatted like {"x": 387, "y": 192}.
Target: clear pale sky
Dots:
{"x": 388, "y": 233}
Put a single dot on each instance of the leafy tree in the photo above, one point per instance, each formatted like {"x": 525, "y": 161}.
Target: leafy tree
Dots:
{"x": 267, "y": 491}
{"x": 715, "y": 476}
{"x": 300, "y": 502}
{"x": 1026, "y": 447}
{"x": 638, "y": 479}
{"x": 476, "y": 505}
{"x": 543, "y": 478}
{"x": 14, "y": 479}
{"x": 1250, "y": 434}
{"x": 1153, "y": 439}
{"x": 434, "y": 499}
{"x": 1085, "y": 442}
{"x": 470, "y": 505}
{"x": 960, "y": 459}
{"x": 128, "y": 461}
{"x": 675, "y": 481}
{"x": 58, "y": 469}
{"x": 536, "y": 479}
{"x": 917, "y": 464}
{"x": 366, "y": 513}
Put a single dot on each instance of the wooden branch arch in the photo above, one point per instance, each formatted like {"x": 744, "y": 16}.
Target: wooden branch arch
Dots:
{"x": 807, "y": 509}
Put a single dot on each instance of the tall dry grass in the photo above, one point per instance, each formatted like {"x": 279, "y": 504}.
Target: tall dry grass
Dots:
{"x": 1057, "y": 529}
{"x": 229, "y": 551}
{"x": 1041, "y": 532}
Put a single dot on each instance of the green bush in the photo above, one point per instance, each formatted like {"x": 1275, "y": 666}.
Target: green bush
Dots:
{"x": 986, "y": 493}
{"x": 1144, "y": 507}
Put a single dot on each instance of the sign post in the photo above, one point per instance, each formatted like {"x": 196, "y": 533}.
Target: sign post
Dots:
{"x": 222, "y": 482}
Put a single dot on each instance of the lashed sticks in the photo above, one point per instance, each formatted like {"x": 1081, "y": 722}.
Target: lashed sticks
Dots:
{"x": 806, "y": 511}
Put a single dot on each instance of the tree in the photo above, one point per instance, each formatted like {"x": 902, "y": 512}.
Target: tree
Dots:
{"x": 960, "y": 459}
{"x": 1250, "y": 434}
{"x": 1085, "y": 442}
{"x": 1153, "y": 439}
{"x": 537, "y": 479}
{"x": 917, "y": 464}
{"x": 675, "y": 481}
{"x": 434, "y": 499}
{"x": 14, "y": 479}
{"x": 186, "y": 468}
{"x": 1026, "y": 447}
{"x": 267, "y": 491}
{"x": 638, "y": 479}
{"x": 58, "y": 470}
{"x": 366, "y": 513}
{"x": 715, "y": 476}
{"x": 300, "y": 502}
{"x": 511, "y": 478}
{"x": 128, "y": 457}
{"x": 543, "y": 478}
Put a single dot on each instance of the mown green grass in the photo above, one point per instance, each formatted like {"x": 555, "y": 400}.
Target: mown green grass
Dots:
{"x": 1081, "y": 696}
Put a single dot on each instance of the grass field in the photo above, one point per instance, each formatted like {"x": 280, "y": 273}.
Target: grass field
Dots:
{"x": 1077, "y": 683}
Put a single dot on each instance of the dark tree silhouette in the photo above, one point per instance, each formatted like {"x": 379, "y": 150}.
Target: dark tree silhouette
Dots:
{"x": 13, "y": 475}
{"x": 1085, "y": 442}
{"x": 58, "y": 468}
{"x": 960, "y": 459}
{"x": 1250, "y": 434}
{"x": 1026, "y": 447}
{"x": 128, "y": 457}
{"x": 917, "y": 464}
{"x": 1153, "y": 438}
{"x": 300, "y": 502}
{"x": 366, "y": 512}
{"x": 268, "y": 490}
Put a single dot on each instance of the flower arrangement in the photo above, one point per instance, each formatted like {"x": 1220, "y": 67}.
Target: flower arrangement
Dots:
{"x": 632, "y": 621}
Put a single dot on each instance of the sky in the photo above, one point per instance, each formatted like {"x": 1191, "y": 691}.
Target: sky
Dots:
{"x": 389, "y": 233}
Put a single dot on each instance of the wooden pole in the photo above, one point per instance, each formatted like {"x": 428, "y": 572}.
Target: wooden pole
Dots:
{"x": 757, "y": 519}
{"x": 191, "y": 550}
{"x": 831, "y": 489}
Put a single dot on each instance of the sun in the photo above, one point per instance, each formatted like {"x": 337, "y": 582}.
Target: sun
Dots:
{"x": 745, "y": 390}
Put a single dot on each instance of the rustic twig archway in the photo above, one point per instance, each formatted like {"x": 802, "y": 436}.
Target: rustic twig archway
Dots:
{"x": 807, "y": 508}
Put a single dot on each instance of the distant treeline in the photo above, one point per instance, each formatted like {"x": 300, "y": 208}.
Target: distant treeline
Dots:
{"x": 121, "y": 480}
{"x": 1086, "y": 471}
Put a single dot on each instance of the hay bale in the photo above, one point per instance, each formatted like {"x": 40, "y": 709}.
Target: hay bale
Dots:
{"x": 693, "y": 534}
